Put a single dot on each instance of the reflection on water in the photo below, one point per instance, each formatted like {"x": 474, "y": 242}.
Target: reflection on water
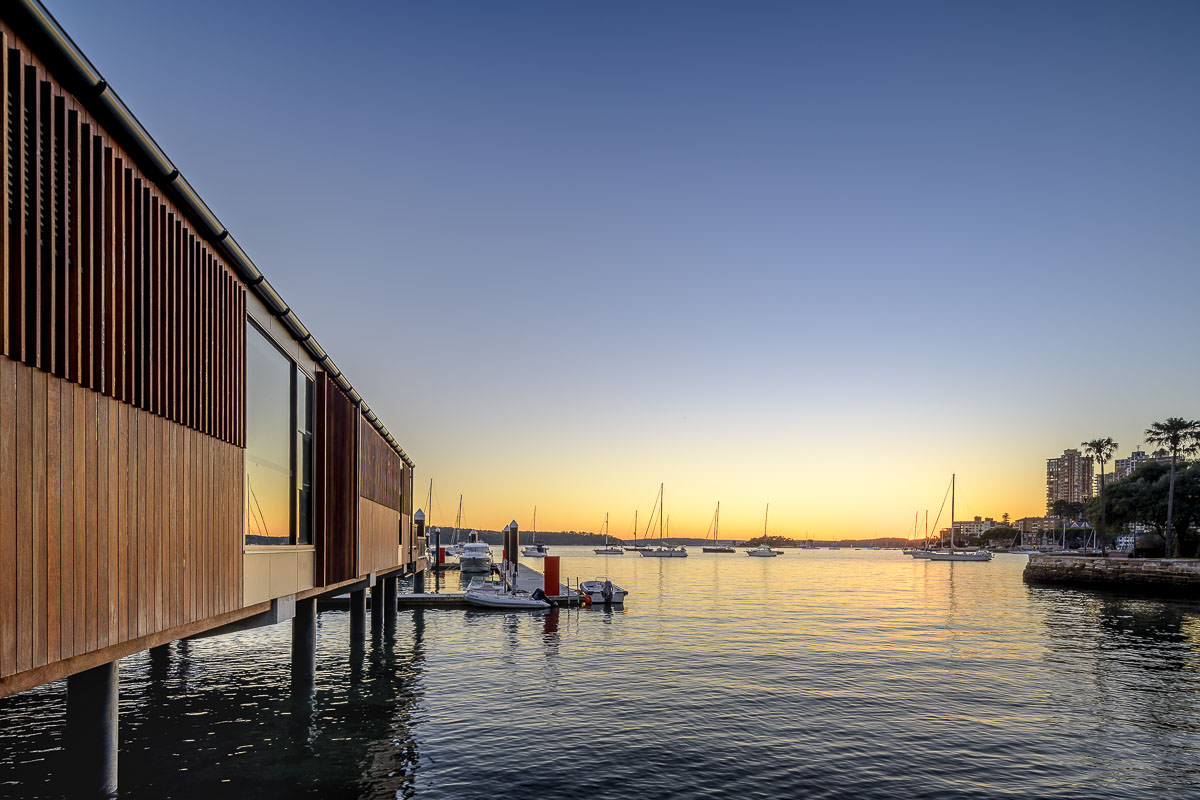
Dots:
{"x": 817, "y": 674}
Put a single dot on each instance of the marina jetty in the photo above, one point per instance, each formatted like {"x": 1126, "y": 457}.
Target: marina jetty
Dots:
{"x": 179, "y": 457}
{"x": 1168, "y": 577}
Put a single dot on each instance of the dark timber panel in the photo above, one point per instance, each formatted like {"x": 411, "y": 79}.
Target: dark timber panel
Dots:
{"x": 102, "y": 282}
{"x": 335, "y": 483}
{"x": 90, "y": 521}
{"x": 380, "y": 468}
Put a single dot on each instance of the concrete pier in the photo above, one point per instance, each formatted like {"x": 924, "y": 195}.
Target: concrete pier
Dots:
{"x": 391, "y": 586}
{"x": 304, "y": 642}
{"x": 377, "y": 604}
{"x": 1165, "y": 577}
{"x": 92, "y": 731}
{"x": 358, "y": 615}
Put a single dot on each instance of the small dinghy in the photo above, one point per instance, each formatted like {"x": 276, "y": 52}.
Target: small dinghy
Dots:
{"x": 602, "y": 590}
{"x": 493, "y": 595}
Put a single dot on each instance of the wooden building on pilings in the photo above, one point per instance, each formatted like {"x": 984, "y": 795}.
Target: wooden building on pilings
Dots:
{"x": 177, "y": 452}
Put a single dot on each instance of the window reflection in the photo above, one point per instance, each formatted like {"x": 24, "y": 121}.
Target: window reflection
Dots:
{"x": 268, "y": 517}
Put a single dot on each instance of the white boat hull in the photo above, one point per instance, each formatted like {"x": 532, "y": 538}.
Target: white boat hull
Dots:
{"x": 487, "y": 596}
{"x": 977, "y": 555}
{"x": 608, "y": 551}
{"x": 594, "y": 591}
{"x": 665, "y": 553}
{"x": 474, "y": 564}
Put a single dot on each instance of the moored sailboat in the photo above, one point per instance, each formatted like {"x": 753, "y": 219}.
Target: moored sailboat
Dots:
{"x": 764, "y": 550}
{"x": 715, "y": 525}
{"x": 608, "y": 550}
{"x": 962, "y": 555}
{"x": 534, "y": 549}
{"x": 664, "y": 550}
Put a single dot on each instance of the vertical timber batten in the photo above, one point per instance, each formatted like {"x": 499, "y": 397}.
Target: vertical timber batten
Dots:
{"x": 123, "y": 399}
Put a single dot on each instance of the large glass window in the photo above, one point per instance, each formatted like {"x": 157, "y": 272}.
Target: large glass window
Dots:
{"x": 278, "y": 446}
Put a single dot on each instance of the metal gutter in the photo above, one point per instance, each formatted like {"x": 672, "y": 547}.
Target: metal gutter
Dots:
{"x": 91, "y": 88}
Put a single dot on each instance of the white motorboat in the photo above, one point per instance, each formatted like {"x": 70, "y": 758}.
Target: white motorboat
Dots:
{"x": 534, "y": 549}
{"x": 475, "y": 557}
{"x": 920, "y": 553}
{"x": 602, "y": 590}
{"x": 608, "y": 550}
{"x": 493, "y": 595}
{"x": 764, "y": 551}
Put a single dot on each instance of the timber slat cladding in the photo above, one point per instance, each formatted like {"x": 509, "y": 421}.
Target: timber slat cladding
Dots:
{"x": 335, "y": 483}
{"x": 380, "y": 468}
{"x": 103, "y": 283}
{"x": 91, "y": 520}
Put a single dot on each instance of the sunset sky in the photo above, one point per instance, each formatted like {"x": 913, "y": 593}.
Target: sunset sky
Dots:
{"x": 817, "y": 255}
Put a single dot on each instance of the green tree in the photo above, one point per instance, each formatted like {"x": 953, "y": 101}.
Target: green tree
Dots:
{"x": 1142, "y": 498}
{"x": 1101, "y": 450}
{"x": 1180, "y": 437}
{"x": 1067, "y": 509}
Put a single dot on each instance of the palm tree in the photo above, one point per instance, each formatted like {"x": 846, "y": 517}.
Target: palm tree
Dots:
{"x": 1180, "y": 437}
{"x": 1101, "y": 450}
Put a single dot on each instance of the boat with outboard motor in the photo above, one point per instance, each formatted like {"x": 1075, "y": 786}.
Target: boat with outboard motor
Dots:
{"x": 485, "y": 594}
{"x": 602, "y": 590}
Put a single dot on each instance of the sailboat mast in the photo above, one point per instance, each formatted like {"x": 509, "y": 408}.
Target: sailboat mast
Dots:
{"x": 952, "y": 512}
{"x": 927, "y": 529}
{"x": 429, "y": 506}
{"x": 458, "y": 519}
{"x": 635, "y": 527}
{"x": 717, "y": 525}
{"x": 660, "y": 514}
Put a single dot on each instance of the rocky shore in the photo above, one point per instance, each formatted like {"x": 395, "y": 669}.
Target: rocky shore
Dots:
{"x": 1169, "y": 577}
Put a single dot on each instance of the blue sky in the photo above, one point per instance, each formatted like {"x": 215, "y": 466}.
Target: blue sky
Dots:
{"x": 759, "y": 251}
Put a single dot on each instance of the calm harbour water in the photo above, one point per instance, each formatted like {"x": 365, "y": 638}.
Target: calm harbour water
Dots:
{"x": 821, "y": 673}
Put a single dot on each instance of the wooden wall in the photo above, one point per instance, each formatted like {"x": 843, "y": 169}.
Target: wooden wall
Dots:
{"x": 114, "y": 523}
{"x": 385, "y": 489}
{"x": 102, "y": 281}
{"x": 378, "y": 536}
{"x": 380, "y": 469}
{"x": 335, "y": 482}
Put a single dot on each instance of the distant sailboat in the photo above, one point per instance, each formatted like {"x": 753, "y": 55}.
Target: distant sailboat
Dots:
{"x": 664, "y": 550}
{"x": 716, "y": 546}
{"x": 964, "y": 555}
{"x": 608, "y": 550}
{"x": 535, "y": 550}
{"x": 764, "y": 550}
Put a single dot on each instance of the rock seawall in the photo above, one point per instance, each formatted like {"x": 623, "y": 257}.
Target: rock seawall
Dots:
{"x": 1173, "y": 577}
